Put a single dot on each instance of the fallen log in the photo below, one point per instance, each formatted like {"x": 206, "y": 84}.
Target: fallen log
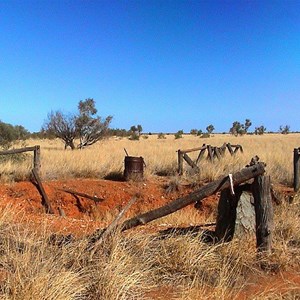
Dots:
{"x": 209, "y": 189}
{"x": 72, "y": 192}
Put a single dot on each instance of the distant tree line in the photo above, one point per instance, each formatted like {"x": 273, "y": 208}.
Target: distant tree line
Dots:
{"x": 10, "y": 133}
{"x": 88, "y": 128}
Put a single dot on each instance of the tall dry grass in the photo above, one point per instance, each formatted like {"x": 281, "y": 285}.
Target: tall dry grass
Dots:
{"x": 141, "y": 265}
{"x": 106, "y": 158}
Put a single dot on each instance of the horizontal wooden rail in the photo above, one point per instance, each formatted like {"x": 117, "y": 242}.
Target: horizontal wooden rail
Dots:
{"x": 15, "y": 151}
{"x": 36, "y": 155}
{"x": 194, "y": 149}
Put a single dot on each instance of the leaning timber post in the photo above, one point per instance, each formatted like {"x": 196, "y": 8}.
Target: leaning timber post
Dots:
{"x": 210, "y": 153}
{"x": 296, "y": 169}
{"x": 37, "y": 158}
{"x": 226, "y": 216}
{"x": 180, "y": 162}
{"x": 230, "y": 149}
{"x": 261, "y": 189}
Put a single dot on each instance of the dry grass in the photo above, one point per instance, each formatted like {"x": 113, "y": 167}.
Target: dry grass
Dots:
{"x": 107, "y": 157}
{"x": 131, "y": 265}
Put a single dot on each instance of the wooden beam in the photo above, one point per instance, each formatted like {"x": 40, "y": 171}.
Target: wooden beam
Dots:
{"x": 296, "y": 162}
{"x": 229, "y": 148}
{"x": 72, "y": 192}
{"x": 201, "y": 153}
{"x": 194, "y": 149}
{"x": 211, "y": 188}
{"x": 261, "y": 189}
{"x": 189, "y": 161}
{"x": 103, "y": 234}
{"x": 210, "y": 153}
{"x": 45, "y": 200}
{"x": 15, "y": 151}
{"x": 37, "y": 158}
{"x": 217, "y": 153}
{"x": 180, "y": 162}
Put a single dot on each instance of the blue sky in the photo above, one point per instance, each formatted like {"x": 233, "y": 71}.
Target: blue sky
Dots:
{"x": 167, "y": 65}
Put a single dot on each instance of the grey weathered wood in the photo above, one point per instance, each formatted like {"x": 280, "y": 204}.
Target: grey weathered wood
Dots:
{"x": 226, "y": 216}
{"x": 180, "y": 162}
{"x": 210, "y": 153}
{"x": 211, "y": 188}
{"x": 189, "y": 161}
{"x": 237, "y": 148}
{"x": 241, "y": 149}
{"x": 201, "y": 153}
{"x": 261, "y": 190}
{"x": 296, "y": 169}
{"x": 103, "y": 234}
{"x": 15, "y": 151}
{"x": 217, "y": 153}
{"x": 229, "y": 148}
{"x": 203, "y": 147}
{"x": 223, "y": 149}
{"x": 84, "y": 195}
{"x": 37, "y": 158}
{"x": 45, "y": 200}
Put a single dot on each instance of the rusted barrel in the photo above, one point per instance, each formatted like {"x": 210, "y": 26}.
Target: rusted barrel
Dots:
{"x": 134, "y": 168}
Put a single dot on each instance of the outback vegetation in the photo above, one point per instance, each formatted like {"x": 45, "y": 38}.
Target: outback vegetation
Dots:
{"x": 45, "y": 256}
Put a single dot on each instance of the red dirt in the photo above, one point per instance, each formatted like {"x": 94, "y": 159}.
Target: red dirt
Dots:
{"x": 83, "y": 214}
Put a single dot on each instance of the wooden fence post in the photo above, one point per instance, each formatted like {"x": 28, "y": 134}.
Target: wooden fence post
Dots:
{"x": 37, "y": 159}
{"x": 226, "y": 216}
{"x": 180, "y": 162}
{"x": 230, "y": 149}
{"x": 296, "y": 169}
{"x": 261, "y": 189}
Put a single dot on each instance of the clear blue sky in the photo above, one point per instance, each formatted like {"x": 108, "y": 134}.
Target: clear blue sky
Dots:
{"x": 167, "y": 65}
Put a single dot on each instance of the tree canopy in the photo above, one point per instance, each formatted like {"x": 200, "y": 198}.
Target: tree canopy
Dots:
{"x": 85, "y": 125}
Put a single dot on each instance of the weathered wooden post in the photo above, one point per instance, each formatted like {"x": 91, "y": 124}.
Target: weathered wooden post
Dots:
{"x": 230, "y": 149}
{"x": 226, "y": 216}
{"x": 210, "y": 152}
{"x": 180, "y": 162}
{"x": 296, "y": 169}
{"x": 261, "y": 190}
{"x": 37, "y": 158}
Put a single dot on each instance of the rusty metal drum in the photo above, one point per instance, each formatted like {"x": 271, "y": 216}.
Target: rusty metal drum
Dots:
{"x": 134, "y": 168}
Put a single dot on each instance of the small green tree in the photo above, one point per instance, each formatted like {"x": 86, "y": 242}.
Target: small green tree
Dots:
{"x": 239, "y": 128}
{"x": 178, "y": 134}
{"x": 247, "y": 125}
{"x": 161, "y": 136}
{"x": 194, "y": 131}
{"x": 139, "y": 129}
{"x": 284, "y": 129}
{"x": 210, "y": 128}
{"x": 134, "y": 136}
{"x": 260, "y": 130}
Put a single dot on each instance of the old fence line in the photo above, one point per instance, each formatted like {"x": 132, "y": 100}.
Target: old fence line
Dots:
{"x": 212, "y": 153}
